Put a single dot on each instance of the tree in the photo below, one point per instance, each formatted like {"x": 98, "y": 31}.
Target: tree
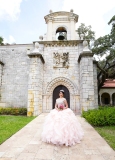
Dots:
{"x": 105, "y": 46}
{"x": 86, "y": 31}
{"x": 102, "y": 46}
{"x": 1, "y": 40}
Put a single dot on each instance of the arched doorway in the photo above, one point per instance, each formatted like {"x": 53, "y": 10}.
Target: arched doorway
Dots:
{"x": 105, "y": 98}
{"x": 56, "y": 94}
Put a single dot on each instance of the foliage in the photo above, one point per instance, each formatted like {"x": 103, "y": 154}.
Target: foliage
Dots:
{"x": 102, "y": 46}
{"x": 100, "y": 117}
{"x": 105, "y": 46}
{"x": 13, "y": 111}
{"x": 1, "y": 40}
{"x": 111, "y": 20}
{"x": 87, "y": 31}
{"x": 9, "y": 125}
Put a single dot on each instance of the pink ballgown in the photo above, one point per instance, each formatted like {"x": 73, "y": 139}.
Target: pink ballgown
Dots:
{"x": 62, "y": 127}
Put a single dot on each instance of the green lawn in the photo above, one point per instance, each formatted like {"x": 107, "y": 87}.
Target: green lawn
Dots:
{"x": 108, "y": 133}
{"x": 11, "y": 124}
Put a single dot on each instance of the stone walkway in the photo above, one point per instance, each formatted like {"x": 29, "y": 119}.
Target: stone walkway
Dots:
{"x": 26, "y": 145}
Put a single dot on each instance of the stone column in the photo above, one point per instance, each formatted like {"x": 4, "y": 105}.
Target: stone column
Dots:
{"x": 72, "y": 28}
{"x": 1, "y": 72}
{"x": 35, "y": 82}
{"x": 111, "y": 102}
{"x": 87, "y": 89}
{"x": 49, "y": 30}
{"x": 100, "y": 100}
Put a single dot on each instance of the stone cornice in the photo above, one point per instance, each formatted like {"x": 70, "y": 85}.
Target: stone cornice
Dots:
{"x": 60, "y": 43}
{"x": 1, "y": 63}
{"x": 31, "y": 55}
{"x": 53, "y": 15}
{"x": 15, "y": 46}
{"x": 85, "y": 54}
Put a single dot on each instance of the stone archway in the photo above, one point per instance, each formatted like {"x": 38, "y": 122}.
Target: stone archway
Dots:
{"x": 105, "y": 99}
{"x": 61, "y": 81}
{"x": 73, "y": 90}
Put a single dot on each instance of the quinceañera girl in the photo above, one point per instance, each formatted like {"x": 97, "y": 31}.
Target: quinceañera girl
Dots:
{"x": 61, "y": 126}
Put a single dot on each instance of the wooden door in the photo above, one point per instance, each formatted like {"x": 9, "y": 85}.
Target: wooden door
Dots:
{"x": 56, "y": 94}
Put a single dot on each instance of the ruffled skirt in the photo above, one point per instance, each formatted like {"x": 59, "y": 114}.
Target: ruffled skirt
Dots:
{"x": 62, "y": 127}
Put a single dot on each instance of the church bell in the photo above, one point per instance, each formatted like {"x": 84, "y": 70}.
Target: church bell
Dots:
{"x": 61, "y": 36}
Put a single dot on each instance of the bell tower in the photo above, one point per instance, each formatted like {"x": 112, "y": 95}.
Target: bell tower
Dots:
{"x": 61, "y": 25}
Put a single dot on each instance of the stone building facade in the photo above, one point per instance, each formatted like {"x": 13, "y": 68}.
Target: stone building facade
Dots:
{"x": 107, "y": 93}
{"x": 32, "y": 74}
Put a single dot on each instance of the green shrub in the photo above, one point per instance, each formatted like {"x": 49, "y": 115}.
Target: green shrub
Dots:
{"x": 100, "y": 117}
{"x": 13, "y": 111}
{"x": 103, "y": 107}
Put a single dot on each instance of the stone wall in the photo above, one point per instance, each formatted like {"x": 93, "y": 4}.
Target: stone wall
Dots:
{"x": 15, "y": 75}
{"x": 27, "y": 81}
{"x": 86, "y": 81}
{"x": 63, "y": 76}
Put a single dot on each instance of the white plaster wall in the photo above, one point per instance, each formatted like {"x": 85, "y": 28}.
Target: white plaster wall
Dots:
{"x": 53, "y": 26}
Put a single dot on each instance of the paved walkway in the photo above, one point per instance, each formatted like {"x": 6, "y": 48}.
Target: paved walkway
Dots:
{"x": 26, "y": 145}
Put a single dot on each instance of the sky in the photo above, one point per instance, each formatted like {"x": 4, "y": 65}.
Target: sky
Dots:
{"x": 22, "y": 21}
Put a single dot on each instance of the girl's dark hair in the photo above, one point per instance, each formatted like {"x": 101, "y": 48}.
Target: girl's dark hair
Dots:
{"x": 61, "y": 91}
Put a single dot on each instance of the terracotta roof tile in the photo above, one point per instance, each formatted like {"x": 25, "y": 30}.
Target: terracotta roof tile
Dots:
{"x": 109, "y": 83}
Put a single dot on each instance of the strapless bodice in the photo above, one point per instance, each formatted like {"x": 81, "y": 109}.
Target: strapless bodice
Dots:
{"x": 60, "y": 101}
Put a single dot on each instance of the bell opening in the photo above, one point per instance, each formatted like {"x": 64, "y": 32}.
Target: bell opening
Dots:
{"x": 61, "y": 34}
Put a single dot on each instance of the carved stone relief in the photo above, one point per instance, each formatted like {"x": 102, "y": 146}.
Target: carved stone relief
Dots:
{"x": 61, "y": 59}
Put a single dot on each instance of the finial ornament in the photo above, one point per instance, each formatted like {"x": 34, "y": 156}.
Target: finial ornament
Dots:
{"x": 50, "y": 11}
{"x": 71, "y": 10}
{"x": 36, "y": 45}
{"x": 81, "y": 36}
{"x": 41, "y": 38}
{"x": 85, "y": 46}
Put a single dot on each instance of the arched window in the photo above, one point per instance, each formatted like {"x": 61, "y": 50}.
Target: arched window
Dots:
{"x": 61, "y": 34}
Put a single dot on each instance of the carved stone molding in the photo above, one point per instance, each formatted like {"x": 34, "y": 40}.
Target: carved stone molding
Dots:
{"x": 37, "y": 55}
{"x": 61, "y": 81}
{"x": 85, "y": 54}
{"x": 60, "y": 60}
{"x": 60, "y": 43}
{"x": 53, "y": 15}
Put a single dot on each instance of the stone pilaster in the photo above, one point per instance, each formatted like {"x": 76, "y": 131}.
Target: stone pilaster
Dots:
{"x": 86, "y": 81}
{"x": 95, "y": 84}
{"x": 1, "y": 72}
{"x": 35, "y": 83}
{"x": 87, "y": 84}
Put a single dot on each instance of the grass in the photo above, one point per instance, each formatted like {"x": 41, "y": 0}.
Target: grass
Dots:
{"x": 11, "y": 124}
{"x": 108, "y": 133}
